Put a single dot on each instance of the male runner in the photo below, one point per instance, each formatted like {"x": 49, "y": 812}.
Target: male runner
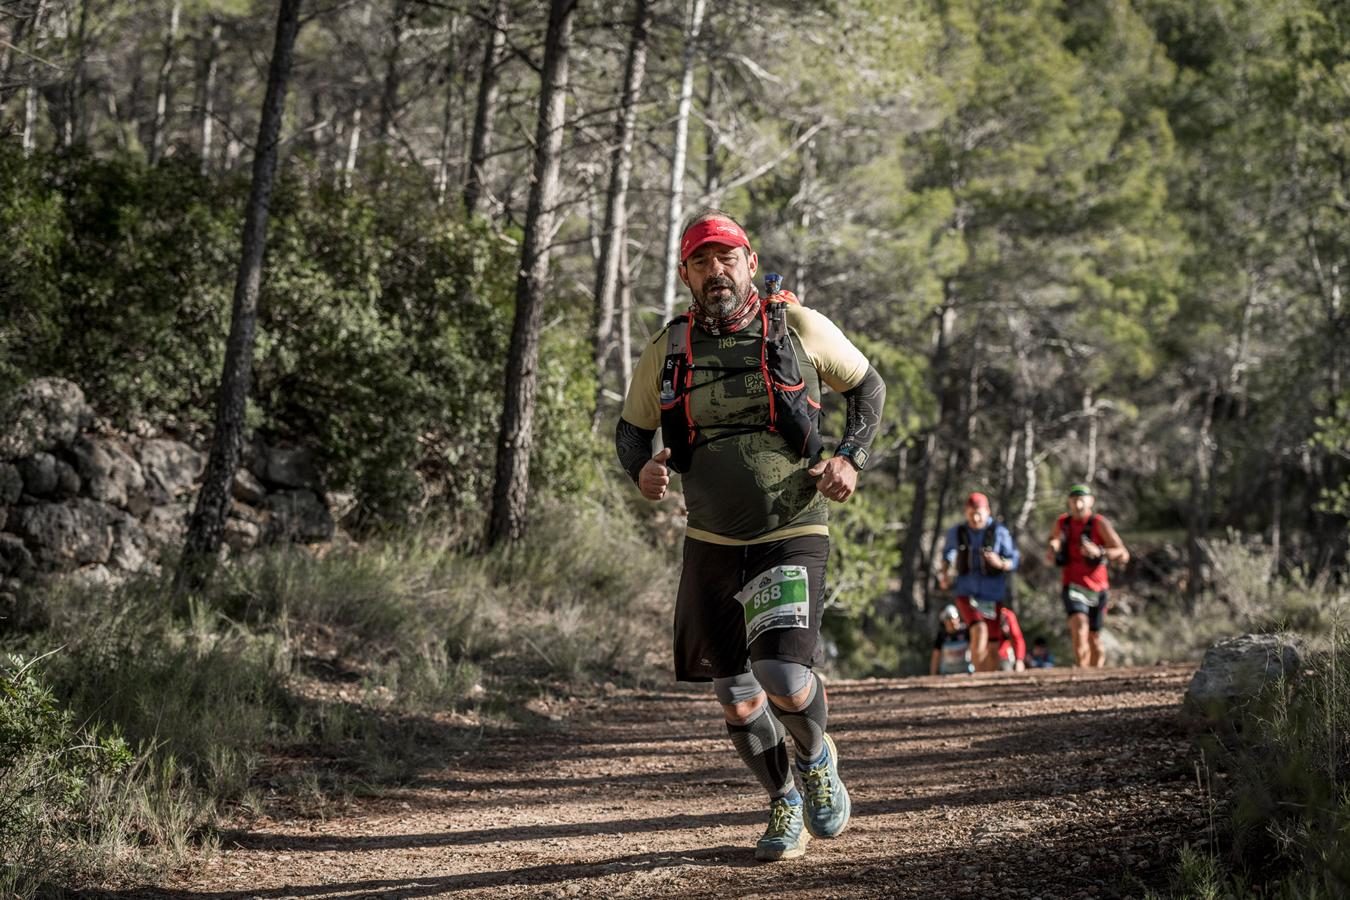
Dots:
{"x": 734, "y": 387}
{"x": 983, "y": 555}
{"x": 1081, "y": 543}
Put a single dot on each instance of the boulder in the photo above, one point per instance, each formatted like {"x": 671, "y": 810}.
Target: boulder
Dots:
{"x": 241, "y": 535}
{"x": 43, "y": 414}
{"x": 247, "y": 487}
{"x": 14, "y": 556}
{"x": 289, "y": 467}
{"x": 113, "y": 474}
{"x": 62, "y": 535}
{"x": 131, "y": 550}
{"x": 170, "y": 468}
{"x": 299, "y": 516}
{"x": 39, "y": 474}
{"x": 67, "y": 481}
{"x": 340, "y": 504}
{"x": 166, "y": 526}
{"x": 1236, "y": 670}
{"x": 11, "y": 484}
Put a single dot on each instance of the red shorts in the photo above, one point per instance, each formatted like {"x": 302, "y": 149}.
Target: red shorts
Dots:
{"x": 973, "y": 612}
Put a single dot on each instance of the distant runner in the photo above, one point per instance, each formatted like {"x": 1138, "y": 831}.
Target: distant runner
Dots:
{"x": 951, "y": 646}
{"x": 734, "y": 386}
{"x": 983, "y": 555}
{"x": 1081, "y": 543}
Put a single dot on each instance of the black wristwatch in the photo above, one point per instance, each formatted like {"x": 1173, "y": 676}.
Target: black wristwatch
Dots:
{"x": 856, "y": 455}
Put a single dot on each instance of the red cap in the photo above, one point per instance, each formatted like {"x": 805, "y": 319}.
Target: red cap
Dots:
{"x": 712, "y": 231}
{"x": 978, "y": 500}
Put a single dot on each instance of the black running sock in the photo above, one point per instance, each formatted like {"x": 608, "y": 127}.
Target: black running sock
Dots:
{"x": 760, "y": 744}
{"x": 807, "y": 725}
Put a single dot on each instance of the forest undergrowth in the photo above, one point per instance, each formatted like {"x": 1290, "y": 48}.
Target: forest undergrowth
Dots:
{"x": 133, "y": 722}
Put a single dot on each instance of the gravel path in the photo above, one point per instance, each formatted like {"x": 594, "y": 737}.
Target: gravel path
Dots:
{"x": 1051, "y": 784}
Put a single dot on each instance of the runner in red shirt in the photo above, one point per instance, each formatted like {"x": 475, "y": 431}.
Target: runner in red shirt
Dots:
{"x": 1081, "y": 543}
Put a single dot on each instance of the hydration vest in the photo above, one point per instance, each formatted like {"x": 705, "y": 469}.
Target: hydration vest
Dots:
{"x": 963, "y": 548}
{"x": 1062, "y": 557}
{"x": 792, "y": 412}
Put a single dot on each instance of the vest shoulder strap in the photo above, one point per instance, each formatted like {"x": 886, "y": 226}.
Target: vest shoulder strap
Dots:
{"x": 677, "y": 336}
{"x": 777, "y": 320}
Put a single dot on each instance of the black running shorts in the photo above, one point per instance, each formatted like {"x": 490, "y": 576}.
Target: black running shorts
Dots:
{"x": 710, "y": 621}
{"x": 1095, "y": 613}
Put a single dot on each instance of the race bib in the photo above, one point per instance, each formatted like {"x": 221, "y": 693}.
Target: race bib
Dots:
{"x": 955, "y": 658}
{"x": 778, "y": 598}
{"x": 1083, "y": 595}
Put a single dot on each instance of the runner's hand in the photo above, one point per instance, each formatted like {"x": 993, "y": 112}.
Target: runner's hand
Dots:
{"x": 654, "y": 477}
{"x": 835, "y": 478}
{"x": 993, "y": 560}
{"x": 945, "y": 581}
{"x": 1091, "y": 550}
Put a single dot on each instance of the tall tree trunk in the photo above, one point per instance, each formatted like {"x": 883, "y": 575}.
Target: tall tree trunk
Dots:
{"x": 30, "y": 95}
{"x": 23, "y": 28}
{"x": 72, "y": 129}
{"x": 675, "y": 209}
{"x": 615, "y": 230}
{"x": 485, "y": 112}
{"x": 805, "y": 188}
{"x": 712, "y": 159}
{"x": 207, "y": 526}
{"x": 913, "y": 573}
{"x": 1090, "y": 411}
{"x": 159, "y": 127}
{"x": 510, "y": 492}
{"x": 1197, "y": 521}
{"x": 1029, "y": 464}
{"x": 353, "y": 144}
{"x": 206, "y": 106}
{"x": 625, "y": 318}
{"x": 448, "y": 114}
{"x": 389, "y": 94}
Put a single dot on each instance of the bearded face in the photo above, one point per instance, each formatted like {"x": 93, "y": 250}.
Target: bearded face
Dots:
{"x": 719, "y": 279}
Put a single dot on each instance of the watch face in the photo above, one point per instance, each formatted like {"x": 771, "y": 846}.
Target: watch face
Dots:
{"x": 855, "y": 455}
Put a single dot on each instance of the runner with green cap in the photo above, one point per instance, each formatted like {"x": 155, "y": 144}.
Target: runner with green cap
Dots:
{"x": 1081, "y": 544}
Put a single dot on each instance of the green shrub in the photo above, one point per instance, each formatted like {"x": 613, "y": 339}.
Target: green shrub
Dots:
{"x": 383, "y": 328}
{"x": 52, "y": 773}
{"x": 1285, "y": 830}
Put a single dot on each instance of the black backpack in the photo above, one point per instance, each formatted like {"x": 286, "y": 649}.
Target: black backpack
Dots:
{"x": 1062, "y": 557}
{"x": 963, "y": 548}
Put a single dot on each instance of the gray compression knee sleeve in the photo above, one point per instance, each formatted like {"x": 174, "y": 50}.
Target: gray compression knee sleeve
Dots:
{"x": 762, "y": 748}
{"x": 781, "y": 678}
{"x": 806, "y": 725}
{"x": 737, "y": 688}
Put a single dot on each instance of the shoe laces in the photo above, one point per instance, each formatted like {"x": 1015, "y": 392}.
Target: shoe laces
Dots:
{"x": 780, "y": 818}
{"x": 818, "y": 783}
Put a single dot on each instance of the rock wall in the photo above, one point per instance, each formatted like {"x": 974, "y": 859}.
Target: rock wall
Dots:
{"x": 105, "y": 505}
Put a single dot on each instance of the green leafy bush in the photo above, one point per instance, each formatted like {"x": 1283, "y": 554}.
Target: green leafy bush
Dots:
{"x": 51, "y": 774}
{"x": 383, "y": 327}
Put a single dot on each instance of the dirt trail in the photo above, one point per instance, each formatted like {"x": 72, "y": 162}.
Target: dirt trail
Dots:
{"x": 1052, "y": 784}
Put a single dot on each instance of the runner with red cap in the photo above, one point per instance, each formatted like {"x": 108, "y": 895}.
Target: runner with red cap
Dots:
{"x": 982, "y": 556}
{"x": 734, "y": 386}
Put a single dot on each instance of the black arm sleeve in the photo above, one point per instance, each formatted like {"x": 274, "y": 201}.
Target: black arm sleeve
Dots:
{"x": 634, "y": 446}
{"x": 865, "y": 403}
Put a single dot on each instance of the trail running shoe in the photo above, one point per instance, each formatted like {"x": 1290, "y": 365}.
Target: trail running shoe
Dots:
{"x": 827, "y": 803}
{"x": 786, "y": 836}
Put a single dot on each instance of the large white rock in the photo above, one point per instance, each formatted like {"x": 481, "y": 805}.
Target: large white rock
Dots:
{"x": 1237, "y": 669}
{"x": 43, "y": 414}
